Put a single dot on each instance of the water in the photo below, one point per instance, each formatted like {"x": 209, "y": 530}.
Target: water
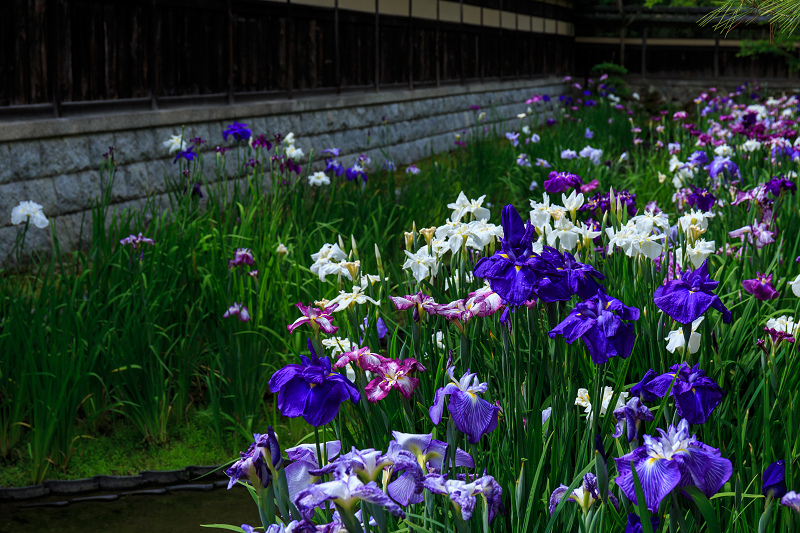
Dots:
{"x": 179, "y": 512}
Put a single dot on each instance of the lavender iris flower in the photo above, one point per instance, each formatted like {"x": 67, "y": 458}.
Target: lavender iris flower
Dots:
{"x": 599, "y": 323}
{"x": 304, "y": 460}
{"x": 260, "y": 462}
{"x": 699, "y": 157}
{"x": 761, "y": 287}
{"x": 509, "y": 270}
{"x": 722, "y": 164}
{"x": 688, "y": 298}
{"x": 345, "y": 491}
{"x": 558, "y": 182}
{"x": 672, "y": 460}
{"x": 631, "y": 414}
{"x": 471, "y": 414}
{"x": 463, "y": 494}
{"x": 791, "y": 499}
{"x": 513, "y": 138}
{"x": 696, "y": 395}
{"x": 428, "y": 453}
{"x": 774, "y": 480}
{"x": 701, "y": 199}
{"x": 311, "y": 390}
{"x": 239, "y": 131}
{"x": 584, "y": 495}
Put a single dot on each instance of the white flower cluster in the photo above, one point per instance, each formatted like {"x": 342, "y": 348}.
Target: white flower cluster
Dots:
{"x": 642, "y": 235}
{"x": 453, "y": 236}
{"x": 332, "y": 260}
{"x": 564, "y": 231}
{"x": 291, "y": 151}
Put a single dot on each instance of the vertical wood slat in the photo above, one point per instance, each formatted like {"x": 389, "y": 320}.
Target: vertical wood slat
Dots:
{"x": 52, "y": 48}
{"x": 229, "y": 13}
{"x": 377, "y": 46}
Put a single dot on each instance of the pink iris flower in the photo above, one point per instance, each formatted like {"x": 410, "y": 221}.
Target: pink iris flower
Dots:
{"x": 393, "y": 374}
{"x": 318, "y": 318}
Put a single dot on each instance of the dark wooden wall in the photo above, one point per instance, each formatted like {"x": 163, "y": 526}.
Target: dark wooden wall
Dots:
{"x": 58, "y": 55}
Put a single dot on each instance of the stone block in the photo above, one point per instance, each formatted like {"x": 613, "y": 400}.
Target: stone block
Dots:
{"x": 26, "y": 158}
{"x": 6, "y": 164}
{"x": 64, "y": 155}
{"x": 75, "y": 191}
{"x": 97, "y": 144}
{"x": 74, "y": 231}
{"x": 138, "y": 145}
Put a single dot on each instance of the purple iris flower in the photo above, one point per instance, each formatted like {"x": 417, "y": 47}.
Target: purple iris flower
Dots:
{"x": 334, "y": 152}
{"x": 463, "y": 494}
{"x": 632, "y": 415}
{"x": 701, "y": 199}
{"x": 471, "y": 414}
{"x": 304, "y": 460}
{"x": 311, "y": 390}
{"x": 696, "y": 395}
{"x": 672, "y": 460}
{"x": 239, "y": 131}
{"x": 355, "y": 171}
{"x": 551, "y": 121}
{"x": 334, "y": 166}
{"x": 634, "y": 524}
{"x": 699, "y": 157}
{"x": 242, "y": 256}
{"x": 188, "y": 155}
{"x": 580, "y": 278}
{"x": 688, "y": 298}
{"x": 509, "y": 270}
{"x": 774, "y": 480}
{"x": 558, "y": 182}
{"x": 598, "y": 321}
{"x": 421, "y": 302}
{"x": 260, "y": 462}
{"x": 584, "y": 495}
{"x": 791, "y": 499}
{"x": 779, "y": 184}
{"x": 261, "y": 142}
{"x": 761, "y": 287}
{"x": 722, "y": 164}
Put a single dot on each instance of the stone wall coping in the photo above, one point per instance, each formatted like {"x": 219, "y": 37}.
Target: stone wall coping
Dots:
{"x": 126, "y": 121}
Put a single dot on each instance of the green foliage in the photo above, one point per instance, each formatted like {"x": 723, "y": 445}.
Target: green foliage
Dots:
{"x": 785, "y": 47}
{"x": 783, "y": 15}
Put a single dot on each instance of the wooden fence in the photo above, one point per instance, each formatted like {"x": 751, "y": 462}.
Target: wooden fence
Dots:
{"x": 668, "y": 43}
{"x": 63, "y": 56}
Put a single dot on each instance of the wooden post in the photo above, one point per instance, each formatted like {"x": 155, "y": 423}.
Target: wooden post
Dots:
{"x": 644, "y": 52}
{"x": 53, "y": 70}
{"x": 377, "y": 46}
{"x": 410, "y": 45}
{"x": 716, "y": 57}
{"x": 337, "y": 60}
{"x": 500, "y": 42}
{"x": 461, "y": 41}
{"x": 289, "y": 49}
{"x": 152, "y": 57}
{"x": 438, "y": 52}
{"x": 230, "y": 50}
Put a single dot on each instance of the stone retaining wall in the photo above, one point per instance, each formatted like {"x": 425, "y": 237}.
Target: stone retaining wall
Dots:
{"x": 55, "y": 162}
